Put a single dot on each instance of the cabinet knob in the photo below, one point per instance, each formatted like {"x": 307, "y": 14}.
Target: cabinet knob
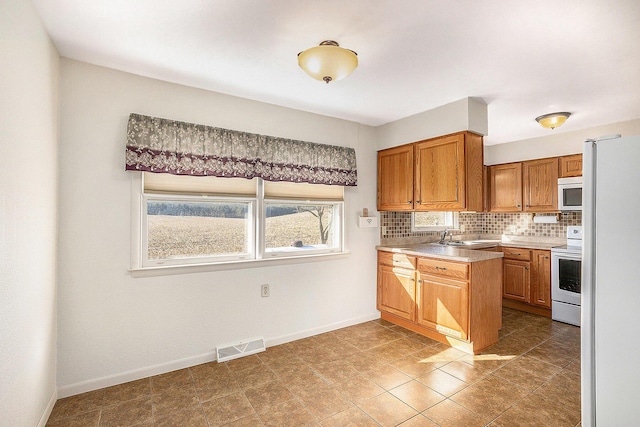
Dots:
{"x": 418, "y": 201}
{"x": 527, "y": 206}
{"x": 526, "y": 268}
{"x": 409, "y": 202}
{"x": 517, "y": 206}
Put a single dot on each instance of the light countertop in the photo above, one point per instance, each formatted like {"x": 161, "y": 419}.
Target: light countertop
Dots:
{"x": 453, "y": 253}
{"x": 472, "y": 252}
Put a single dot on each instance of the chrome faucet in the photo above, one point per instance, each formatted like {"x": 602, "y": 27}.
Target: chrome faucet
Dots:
{"x": 444, "y": 235}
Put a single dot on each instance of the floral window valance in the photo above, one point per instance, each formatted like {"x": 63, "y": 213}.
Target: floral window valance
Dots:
{"x": 179, "y": 148}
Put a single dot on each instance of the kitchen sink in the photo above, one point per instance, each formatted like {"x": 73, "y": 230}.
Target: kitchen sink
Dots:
{"x": 451, "y": 243}
{"x": 465, "y": 242}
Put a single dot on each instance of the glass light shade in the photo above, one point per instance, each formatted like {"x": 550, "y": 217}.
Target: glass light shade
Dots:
{"x": 328, "y": 62}
{"x": 552, "y": 120}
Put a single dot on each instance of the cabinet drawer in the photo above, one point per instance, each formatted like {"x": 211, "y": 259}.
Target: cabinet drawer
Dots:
{"x": 443, "y": 268}
{"x": 397, "y": 260}
{"x": 517, "y": 253}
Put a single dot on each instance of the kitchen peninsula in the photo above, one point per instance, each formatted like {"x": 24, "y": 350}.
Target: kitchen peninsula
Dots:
{"x": 450, "y": 294}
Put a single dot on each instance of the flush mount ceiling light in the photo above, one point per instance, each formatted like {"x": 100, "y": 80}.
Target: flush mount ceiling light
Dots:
{"x": 552, "y": 120}
{"x": 328, "y": 62}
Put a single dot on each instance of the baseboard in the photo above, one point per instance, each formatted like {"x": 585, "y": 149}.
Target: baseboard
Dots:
{"x": 136, "y": 374}
{"x": 283, "y": 339}
{"x": 48, "y": 409}
{"x": 111, "y": 380}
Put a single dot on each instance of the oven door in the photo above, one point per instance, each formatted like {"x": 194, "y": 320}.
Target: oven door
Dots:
{"x": 566, "y": 273}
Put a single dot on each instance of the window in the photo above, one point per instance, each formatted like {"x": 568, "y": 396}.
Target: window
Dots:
{"x": 181, "y": 230}
{"x": 188, "y": 220}
{"x": 433, "y": 221}
{"x": 297, "y": 227}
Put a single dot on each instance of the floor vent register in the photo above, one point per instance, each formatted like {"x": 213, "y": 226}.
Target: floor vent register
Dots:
{"x": 240, "y": 349}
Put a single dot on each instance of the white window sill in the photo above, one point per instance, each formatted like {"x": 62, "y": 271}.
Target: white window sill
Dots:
{"x": 167, "y": 270}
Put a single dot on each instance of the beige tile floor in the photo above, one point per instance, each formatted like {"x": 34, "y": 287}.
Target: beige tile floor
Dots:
{"x": 371, "y": 374}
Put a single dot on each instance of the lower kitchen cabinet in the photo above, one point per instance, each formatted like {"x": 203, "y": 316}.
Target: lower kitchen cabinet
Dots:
{"x": 541, "y": 279}
{"x": 443, "y": 305}
{"x": 396, "y": 291}
{"x": 527, "y": 280}
{"x": 456, "y": 303}
{"x": 517, "y": 280}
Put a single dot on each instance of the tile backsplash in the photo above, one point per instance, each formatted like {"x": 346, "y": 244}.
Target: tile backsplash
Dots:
{"x": 398, "y": 225}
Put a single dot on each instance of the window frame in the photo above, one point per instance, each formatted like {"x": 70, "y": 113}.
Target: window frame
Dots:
{"x": 141, "y": 268}
{"x": 338, "y": 218}
{"x": 455, "y": 223}
{"x": 250, "y": 238}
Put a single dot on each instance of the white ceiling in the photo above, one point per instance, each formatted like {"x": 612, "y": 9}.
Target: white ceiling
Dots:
{"x": 523, "y": 58}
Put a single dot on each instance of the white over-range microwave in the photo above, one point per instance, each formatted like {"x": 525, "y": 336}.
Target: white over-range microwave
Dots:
{"x": 570, "y": 194}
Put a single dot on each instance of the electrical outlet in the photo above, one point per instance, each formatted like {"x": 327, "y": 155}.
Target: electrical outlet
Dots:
{"x": 462, "y": 228}
{"x": 384, "y": 230}
{"x": 264, "y": 290}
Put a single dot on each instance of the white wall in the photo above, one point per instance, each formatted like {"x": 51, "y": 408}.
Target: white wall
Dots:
{"x": 556, "y": 144}
{"x": 29, "y": 67}
{"x": 113, "y": 327}
{"x": 464, "y": 114}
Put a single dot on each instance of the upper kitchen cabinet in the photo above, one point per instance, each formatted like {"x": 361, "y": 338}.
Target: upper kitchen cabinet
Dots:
{"x": 446, "y": 175}
{"x": 570, "y": 166}
{"x": 530, "y": 186}
{"x": 505, "y": 188}
{"x": 395, "y": 179}
{"x": 540, "y": 185}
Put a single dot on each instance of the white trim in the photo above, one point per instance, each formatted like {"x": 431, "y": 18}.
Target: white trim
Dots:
{"x": 187, "y": 362}
{"x": 283, "y": 339}
{"x": 136, "y": 218}
{"x": 47, "y": 411}
{"x": 166, "y": 270}
{"x": 136, "y": 374}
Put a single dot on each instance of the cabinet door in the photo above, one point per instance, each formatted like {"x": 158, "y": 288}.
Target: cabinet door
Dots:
{"x": 570, "y": 166}
{"x": 516, "y": 280}
{"x": 440, "y": 174}
{"x": 395, "y": 179}
{"x": 397, "y": 291}
{"x": 540, "y": 183}
{"x": 505, "y": 188}
{"x": 541, "y": 278}
{"x": 443, "y": 305}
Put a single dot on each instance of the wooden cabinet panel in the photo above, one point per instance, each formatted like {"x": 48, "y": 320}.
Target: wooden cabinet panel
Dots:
{"x": 397, "y": 260}
{"x": 453, "y": 270}
{"x": 443, "y": 305}
{"x": 505, "y": 188}
{"x": 516, "y": 280}
{"x": 540, "y": 185}
{"x": 396, "y": 291}
{"x": 395, "y": 179}
{"x": 440, "y": 174}
{"x": 570, "y": 166}
{"x": 541, "y": 278}
{"x": 455, "y": 303}
{"x": 516, "y": 253}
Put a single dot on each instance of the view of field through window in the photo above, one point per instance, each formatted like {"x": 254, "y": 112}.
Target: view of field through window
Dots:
{"x": 194, "y": 229}
{"x": 432, "y": 219}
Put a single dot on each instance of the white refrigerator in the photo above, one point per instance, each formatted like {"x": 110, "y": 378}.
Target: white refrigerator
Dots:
{"x": 611, "y": 282}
